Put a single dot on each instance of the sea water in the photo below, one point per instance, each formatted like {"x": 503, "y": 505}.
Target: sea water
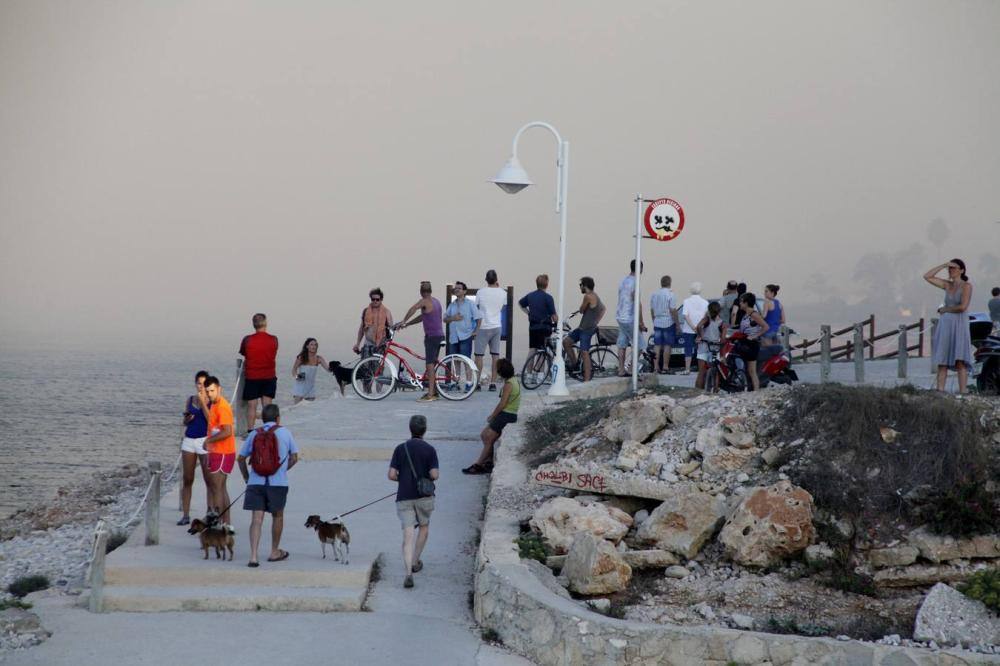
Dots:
{"x": 65, "y": 414}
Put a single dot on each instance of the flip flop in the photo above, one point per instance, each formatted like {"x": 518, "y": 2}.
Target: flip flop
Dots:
{"x": 475, "y": 468}
{"x": 283, "y": 556}
{"x": 253, "y": 565}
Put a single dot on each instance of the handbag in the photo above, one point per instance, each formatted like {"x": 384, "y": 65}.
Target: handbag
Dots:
{"x": 425, "y": 487}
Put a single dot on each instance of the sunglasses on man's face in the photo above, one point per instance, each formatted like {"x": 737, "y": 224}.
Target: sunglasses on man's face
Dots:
{"x": 376, "y": 300}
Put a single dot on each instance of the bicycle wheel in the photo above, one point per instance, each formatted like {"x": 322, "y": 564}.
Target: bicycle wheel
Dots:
{"x": 603, "y": 362}
{"x": 536, "y": 370}
{"x": 455, "y": 376}
{"x": 374, "y": 378}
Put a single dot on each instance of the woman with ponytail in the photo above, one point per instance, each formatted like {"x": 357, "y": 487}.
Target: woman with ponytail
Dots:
{"x": 951, "y": 347}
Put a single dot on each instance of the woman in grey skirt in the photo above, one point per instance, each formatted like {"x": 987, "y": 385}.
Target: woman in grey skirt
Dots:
{"x": 952, "y": 344}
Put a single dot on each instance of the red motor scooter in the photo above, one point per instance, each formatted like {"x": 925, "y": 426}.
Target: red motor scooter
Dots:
{"x": 773, "y": 365}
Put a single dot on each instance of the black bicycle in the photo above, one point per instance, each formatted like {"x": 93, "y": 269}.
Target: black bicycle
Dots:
{"x": 537, "y": 369}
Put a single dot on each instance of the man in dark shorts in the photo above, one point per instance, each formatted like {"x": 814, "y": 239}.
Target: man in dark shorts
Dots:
{"x": 413, "y": 510}
{"x": 430, "y": 315}
{"x": 591, "y": 311}
{"x": 541, "y": 311}
{"x": 259, "y": 369}
{"x": 268, "y": 494}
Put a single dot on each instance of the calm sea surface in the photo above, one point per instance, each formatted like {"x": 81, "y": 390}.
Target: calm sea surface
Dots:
{"x": 66, "y": 414}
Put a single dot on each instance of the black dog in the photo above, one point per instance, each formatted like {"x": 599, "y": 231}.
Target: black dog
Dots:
{"x": 343, "y": 375}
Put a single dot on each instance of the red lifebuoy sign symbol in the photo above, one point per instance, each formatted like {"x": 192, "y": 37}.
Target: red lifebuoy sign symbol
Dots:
{"x": 664, "y": 219}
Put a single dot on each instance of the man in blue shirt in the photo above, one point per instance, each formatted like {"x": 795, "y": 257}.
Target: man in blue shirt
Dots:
{"x": 541, "y": 311}
{"x": 268, "y": 494}
{"x": 462, "y": 317}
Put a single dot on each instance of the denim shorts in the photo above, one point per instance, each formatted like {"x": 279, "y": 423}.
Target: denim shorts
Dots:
{"x": 665, "y": 337}
{"x": 687, "y": 339}
{"x": 582, "y": 337}
{"x": 625, "y": 330}
{"x": 463, "y": 347}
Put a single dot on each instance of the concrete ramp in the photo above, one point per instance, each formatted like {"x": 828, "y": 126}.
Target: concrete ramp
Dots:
{"x": 174, "y": 576}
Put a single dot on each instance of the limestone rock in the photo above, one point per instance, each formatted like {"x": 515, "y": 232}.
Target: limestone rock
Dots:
{"x": 593, "y": 566}
{"x": 741, "y": 439}
{"x": 649, "y": 559}
{"x": 740, "y": 621}
{"x": 769, "y": 524}
{"x": 708, "y": 441}
{"x": 771, "y": 456}
{"x": 631, "y": 453}
{"x": 938, "y": 548}
{"x": 686, "y": 468}
{"x": 676, "y": 571}
{"x": 635, "y": 419}
{"x": 819, "y": 554}
{"x": 640, "y": 516}
{"x": 896, "y": 556}
{"x": 678, "y": 414}
{"x": 919, "y": 575}
{"x": 728, "y": 459}
{"x": 561, "y": 517}
{"x": 545, "y": 576}
{"x": 20, "y": 621}
{"x": 600, "y": 605}
{"x": 600, "y": 478}
{"x": 684, "y": 522}
{"x": 949, "y": 617}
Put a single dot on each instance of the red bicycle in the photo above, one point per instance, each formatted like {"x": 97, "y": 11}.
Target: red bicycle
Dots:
{"x": 377, "y": 376}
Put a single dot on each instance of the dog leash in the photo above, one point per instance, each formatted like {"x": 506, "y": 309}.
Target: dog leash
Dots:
{"x": 341, "y": 515}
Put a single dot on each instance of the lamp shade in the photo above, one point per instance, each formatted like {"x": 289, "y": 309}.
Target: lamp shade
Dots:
{"x": 512, "y": 178}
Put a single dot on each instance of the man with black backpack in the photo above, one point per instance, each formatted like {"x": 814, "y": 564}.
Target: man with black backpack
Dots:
{"x": 272, "y": 452}
{"x": 414, "y": 466}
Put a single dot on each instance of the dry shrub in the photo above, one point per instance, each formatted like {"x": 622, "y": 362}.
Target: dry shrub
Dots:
{"x": 544, "y": 432}
{"x": 852, "y": 472}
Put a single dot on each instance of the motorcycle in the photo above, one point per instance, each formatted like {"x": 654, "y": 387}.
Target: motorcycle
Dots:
{"x": 773, "y": 365}
{"x": 987, "y": 360}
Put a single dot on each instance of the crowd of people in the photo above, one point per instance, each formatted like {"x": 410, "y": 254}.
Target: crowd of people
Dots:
{"x": 474, "y": 327}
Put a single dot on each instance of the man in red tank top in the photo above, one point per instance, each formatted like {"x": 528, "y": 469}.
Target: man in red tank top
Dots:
{"x": 260, "y": 374}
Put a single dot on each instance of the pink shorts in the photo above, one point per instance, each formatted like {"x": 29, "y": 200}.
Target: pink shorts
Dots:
{"x": 221, "y": 462}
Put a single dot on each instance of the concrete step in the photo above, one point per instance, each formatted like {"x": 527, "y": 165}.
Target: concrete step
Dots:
{"x": 153, "y": 599}
{"x": 213, "y": 573}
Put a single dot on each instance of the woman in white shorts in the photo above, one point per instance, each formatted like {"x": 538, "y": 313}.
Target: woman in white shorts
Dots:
{"x": 193, "y": 445}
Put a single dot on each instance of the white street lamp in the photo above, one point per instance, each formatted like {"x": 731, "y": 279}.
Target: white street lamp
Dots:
{"x": 512, "y": 178}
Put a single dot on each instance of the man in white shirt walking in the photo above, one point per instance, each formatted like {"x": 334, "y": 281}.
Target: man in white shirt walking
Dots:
{"x": 490, "y": 300}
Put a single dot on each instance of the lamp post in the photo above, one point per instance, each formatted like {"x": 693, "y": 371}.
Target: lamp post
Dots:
{"x": 512, "y": 178}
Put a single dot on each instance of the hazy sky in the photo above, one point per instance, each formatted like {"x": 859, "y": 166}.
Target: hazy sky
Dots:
{"x": 168, "y": 168}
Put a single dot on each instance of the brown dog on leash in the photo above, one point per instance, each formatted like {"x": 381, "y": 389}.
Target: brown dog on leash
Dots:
{"x": 215, "y": 537}
{"x": 334, "y": 533}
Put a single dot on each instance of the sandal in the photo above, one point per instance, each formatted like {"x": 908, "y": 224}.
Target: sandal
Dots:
{"x": 253, "y": 565}
{"x": 475, "y": 468}
{"x": 279, "y": 558}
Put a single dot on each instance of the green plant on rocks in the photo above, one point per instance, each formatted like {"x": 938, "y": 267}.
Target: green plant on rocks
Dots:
{"x": 25, "y": 585}
{"x": 14, "y": 603}
{"x": 531, "y": 546}
{"x": 984, "y": 586}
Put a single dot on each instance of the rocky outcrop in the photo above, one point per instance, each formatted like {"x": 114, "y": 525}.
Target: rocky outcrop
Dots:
{"x": 950, "y": 618}
{"x": 559, "y": 519}
{"x": 631, "y": 454}
{"x": 919, "y": 575}
{"x": 683, "y": 522}
{"x": 769, "y": 524}
{"x": 636, "y": 419}
{"x": 896, "y": 556}
{"x": 729, "y": 459}
{"x": 593, "y": 566}
{"x": 937, "y": 548}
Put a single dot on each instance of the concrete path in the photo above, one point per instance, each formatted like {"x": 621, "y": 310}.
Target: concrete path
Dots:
{"x": 346, "y": 444}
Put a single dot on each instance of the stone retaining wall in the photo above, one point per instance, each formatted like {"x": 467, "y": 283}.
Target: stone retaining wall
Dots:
{"x": 552, "y": 630}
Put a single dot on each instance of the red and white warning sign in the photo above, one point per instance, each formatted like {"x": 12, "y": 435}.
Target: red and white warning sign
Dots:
{"x": 664, "y": 219}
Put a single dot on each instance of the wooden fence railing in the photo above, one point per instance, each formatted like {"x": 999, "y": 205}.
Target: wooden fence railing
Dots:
{"x": 847, "y": 347}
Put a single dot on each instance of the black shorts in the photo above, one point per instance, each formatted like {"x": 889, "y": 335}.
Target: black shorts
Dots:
{"x": 432, "y": 347}
{"x": 501, "y": 421}
{"x": 748, "y": 350}
{"x": 537, "y": 338}
{"x": 254, "y": 389}
{"x": 265, "y": 498}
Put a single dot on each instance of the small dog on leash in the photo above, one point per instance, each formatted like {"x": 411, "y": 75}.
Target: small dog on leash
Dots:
{"x": 341, "y": 374}
{"x": 214, "y": 537}
{"x": 333, "y": 532}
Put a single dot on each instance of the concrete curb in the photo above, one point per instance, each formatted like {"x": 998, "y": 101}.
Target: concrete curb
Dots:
{"x": 551, "y": 630}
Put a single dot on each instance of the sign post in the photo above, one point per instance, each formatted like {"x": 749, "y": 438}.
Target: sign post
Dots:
{"x": 664, "y": 221}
